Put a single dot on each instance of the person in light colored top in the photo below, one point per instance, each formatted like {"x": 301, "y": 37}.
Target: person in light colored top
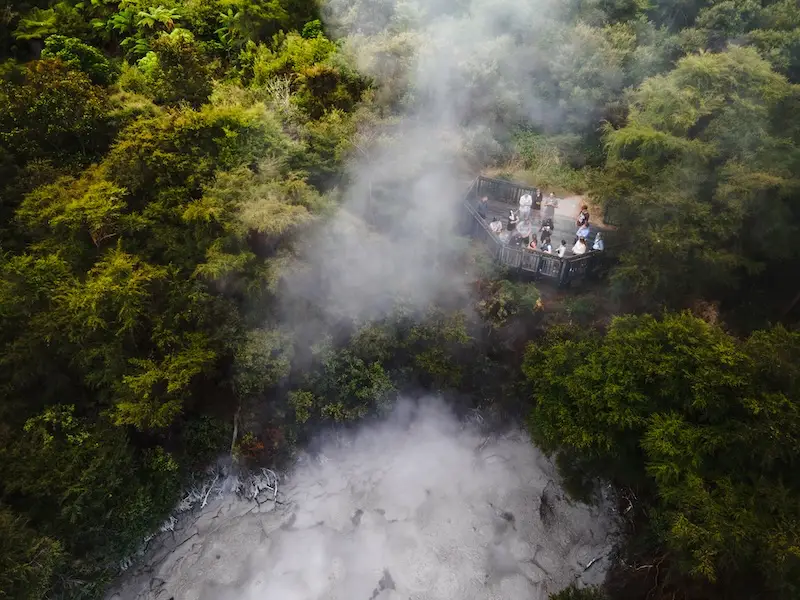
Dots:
{"x": 598, "y": 242}
{"x": 496, "y": 226}
{"x": 583, "y": 231}
{"x": 545, "y": 245}
{"x": 580, "y": 246}
{"x": 525, "y": 204}
{"x": 562, "y": 249}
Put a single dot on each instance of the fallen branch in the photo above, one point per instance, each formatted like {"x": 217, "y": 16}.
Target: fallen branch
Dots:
{"x": 210, "y": 487}
{"x": 235, "y": 428}
{"x": 591, "y": 562}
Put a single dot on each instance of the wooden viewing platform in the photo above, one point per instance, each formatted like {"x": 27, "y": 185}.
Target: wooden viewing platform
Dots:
{"x": 504, "y": 195}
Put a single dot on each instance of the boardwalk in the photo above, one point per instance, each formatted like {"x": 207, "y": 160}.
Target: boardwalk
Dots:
{"x": 504, "y": 195}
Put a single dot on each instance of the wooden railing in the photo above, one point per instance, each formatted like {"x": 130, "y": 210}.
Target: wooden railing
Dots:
{"x": 501, "y": 190}
{"x": 540, "y": 264}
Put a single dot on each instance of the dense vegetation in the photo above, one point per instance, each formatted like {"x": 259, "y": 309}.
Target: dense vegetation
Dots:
{"x": 160, "y": 161}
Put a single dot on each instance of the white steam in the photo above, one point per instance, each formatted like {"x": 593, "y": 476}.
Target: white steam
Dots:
{"x": 418, "y": 507}
{"x": 461, "y": 73}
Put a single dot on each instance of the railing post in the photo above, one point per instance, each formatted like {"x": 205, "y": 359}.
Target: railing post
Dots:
{"x": 562, "y": 276}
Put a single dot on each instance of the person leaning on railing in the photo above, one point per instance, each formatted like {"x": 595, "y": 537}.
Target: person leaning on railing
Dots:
{"x": 580, "y": 246}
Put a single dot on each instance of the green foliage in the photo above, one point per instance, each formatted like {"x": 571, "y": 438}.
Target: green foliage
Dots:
{"x": 345, "y": 388}
{"x": 203, "y": 440}
{"x": 135, "y": 293}
{"x": 153, "y": 394}
{"x": 580, "y": 309}
{"x": 312, "y": 29}
{"x": 302, "y": 402}
{"x": 680, "y": 405}
{"x": 262, "y": 361}
{"x": 436, "y": 344}
{"x": 142, "y": 216}
{"x": 79, "y": 56}
{"x": 85, "y": 487}
{"x": 181, "y": 150}
{"x": 549, "y": 162}
{"x": 27, "y": 560}
{"x": 575, "y": 593}
{"x": 176, "y": 71}
{"x": 320, "y": 81}
{"x": 55, "y": 113}
{"x": 503, "y": 300}
{"x": 702, "y": 157}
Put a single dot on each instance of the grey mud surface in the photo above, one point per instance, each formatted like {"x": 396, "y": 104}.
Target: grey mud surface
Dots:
{"x": 418, "y": 508}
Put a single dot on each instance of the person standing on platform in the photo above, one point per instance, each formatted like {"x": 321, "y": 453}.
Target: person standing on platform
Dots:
{"x": 525, "y": 204}
{"x": 483, "y": 207}
{"x": 583, "y": 217}
{"x": 512, "y": 220}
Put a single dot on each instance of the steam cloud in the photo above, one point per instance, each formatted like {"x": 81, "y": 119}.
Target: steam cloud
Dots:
{"x": 419, "y": 507}
{"x": 462, "y": 72}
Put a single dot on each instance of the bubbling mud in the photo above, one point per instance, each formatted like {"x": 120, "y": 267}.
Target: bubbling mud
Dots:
{"x": 419, "y": 506}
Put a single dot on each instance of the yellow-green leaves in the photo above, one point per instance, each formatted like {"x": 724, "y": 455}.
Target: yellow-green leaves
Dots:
{"x": 152, "y": 396}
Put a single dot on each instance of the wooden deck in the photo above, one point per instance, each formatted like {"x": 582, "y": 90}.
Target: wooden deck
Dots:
{"x": 504, "y": 195}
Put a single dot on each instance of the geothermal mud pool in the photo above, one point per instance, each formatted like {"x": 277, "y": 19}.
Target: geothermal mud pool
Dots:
{"x": 419, "y": 507}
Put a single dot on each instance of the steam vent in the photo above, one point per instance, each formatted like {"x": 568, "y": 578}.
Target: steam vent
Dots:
{"x": 421, "y": 507}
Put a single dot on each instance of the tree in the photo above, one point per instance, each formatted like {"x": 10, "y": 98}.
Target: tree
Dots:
{"x": 176, "y": 70}
{"x": 84, "y": 485}
{"x": 346, "y": 388}
{"x": 81, "y": 57}
{"x": 709, "y": 425}
{"x": 55, "y": 113}
{"x": 27, "y": 560}
{"x": 703, "y": 177}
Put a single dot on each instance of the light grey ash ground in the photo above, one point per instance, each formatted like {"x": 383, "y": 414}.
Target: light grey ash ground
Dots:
{"x": 417, "y": 508}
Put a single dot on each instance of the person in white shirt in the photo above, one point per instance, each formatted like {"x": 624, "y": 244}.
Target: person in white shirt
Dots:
{"x": 496, "y": 226}
{"x": 562, "y": 249}
{"x": 583, "y": 232}
{"x": 598, "y": 242}
{"x": 580, "y": 246}
{"x": 525, "y": 204}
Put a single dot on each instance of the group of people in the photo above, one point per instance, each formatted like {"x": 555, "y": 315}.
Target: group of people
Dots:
{"x": 519, "y": 225}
